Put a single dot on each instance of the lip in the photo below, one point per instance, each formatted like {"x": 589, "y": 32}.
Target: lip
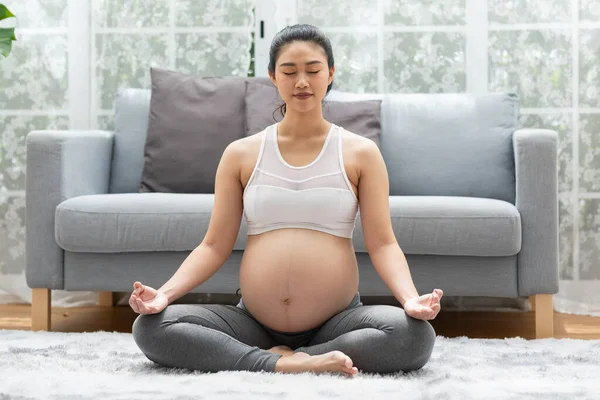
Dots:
{"x": 303, "y": 96}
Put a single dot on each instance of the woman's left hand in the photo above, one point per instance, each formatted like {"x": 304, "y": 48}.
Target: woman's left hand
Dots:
{"x": 424, "y": 307}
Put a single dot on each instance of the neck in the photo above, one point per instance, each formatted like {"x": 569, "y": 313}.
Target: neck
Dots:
{"x": 303, "y": 124}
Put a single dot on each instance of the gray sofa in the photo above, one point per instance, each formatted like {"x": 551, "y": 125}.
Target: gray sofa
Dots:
{"x": 473, "y": 205}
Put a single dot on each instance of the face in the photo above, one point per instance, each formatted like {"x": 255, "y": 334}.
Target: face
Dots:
{"x": 302, "y": 75}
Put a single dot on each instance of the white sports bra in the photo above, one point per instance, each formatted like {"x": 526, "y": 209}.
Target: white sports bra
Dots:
{"x": 316, "y": 196}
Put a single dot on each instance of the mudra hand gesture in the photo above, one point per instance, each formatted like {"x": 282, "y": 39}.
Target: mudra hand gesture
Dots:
{"x": 147, "y": 300}
{"x": 424, "y": 307}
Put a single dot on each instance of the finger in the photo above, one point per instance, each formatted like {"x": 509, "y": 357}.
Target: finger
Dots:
{"x": 141, "y": 306}
{"x": 425, "y": 316}
{"x": 150, "y": 308}
{"x": 431, "y": 311}
{"x": 133, "y": 304}
{"x": 420, "y": 310}
{"x": 440, "y": 292}
{"x": 422, "y": 313}
{"x": 139, "y": 290}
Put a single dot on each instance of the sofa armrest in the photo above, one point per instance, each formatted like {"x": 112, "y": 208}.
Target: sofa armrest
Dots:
{"x": 60, "y": 165}
{"x": 536, "y": 170}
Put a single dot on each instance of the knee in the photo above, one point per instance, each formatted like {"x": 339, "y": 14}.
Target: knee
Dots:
{"x": 421, "y": 339}
{"x": 144, "y": 328}
{"x": 415, "y": 340}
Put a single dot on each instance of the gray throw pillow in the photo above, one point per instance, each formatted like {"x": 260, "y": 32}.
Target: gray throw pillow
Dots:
{"x": 360, "y": 117}
{"x": 192, "y": 120}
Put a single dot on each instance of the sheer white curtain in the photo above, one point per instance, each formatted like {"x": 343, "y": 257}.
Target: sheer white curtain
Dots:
{"x": 64, "y": 71}
{"x": 547, "y": 51}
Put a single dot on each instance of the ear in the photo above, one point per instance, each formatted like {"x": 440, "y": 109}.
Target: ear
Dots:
{"x": 331, "y": 73}
{"x": 272, "y": 76}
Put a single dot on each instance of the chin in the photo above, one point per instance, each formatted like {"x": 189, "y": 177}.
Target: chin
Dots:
{"x": 302, "y": 110}
{"x": 305, "y": 108}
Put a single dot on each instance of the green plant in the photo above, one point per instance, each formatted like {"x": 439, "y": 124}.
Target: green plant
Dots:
{"x": 7, "y": 35}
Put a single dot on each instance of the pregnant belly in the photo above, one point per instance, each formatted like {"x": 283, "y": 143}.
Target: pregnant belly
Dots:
{"x": 293, "y": 280}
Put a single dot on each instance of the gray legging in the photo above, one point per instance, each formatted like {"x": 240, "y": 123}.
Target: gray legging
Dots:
{"x": 215, "y": 337}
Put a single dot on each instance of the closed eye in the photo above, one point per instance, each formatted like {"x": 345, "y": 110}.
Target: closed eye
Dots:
{"x": 310, "y": 72}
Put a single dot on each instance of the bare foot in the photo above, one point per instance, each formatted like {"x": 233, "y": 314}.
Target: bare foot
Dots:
{"x": 334, "y": 361}
{"x": 283, "y": 350}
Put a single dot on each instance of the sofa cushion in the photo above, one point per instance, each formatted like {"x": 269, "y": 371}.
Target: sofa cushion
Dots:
{"x": 125, "y": 222}
{"x": 453, "y": 226}
{"x": 134, "y": 222}
{"x": 447, "y": 144}
{"x": 360, "y": 117}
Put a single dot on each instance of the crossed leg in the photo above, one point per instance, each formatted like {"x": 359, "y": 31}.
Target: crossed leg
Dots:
{"x": 378, "y": 339}
{"x": 207, "y": 337}
{"x": 214, "y": 337}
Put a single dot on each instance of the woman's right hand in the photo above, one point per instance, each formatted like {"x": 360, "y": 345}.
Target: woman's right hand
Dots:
{"x": 146, "y": 300}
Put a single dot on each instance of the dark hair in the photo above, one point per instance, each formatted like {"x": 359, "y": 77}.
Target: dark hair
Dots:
{"x": 299, "y": 33}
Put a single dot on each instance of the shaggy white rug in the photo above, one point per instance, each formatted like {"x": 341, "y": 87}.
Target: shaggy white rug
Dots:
{"x": 104, "y": 365}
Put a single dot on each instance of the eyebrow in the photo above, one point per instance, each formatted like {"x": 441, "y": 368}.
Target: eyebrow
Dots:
{"x": 289, "y": 64}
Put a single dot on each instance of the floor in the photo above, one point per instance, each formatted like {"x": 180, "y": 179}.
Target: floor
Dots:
{"x": 450, "y": 323}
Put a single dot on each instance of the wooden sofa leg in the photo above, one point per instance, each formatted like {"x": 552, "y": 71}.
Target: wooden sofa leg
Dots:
{"x": 532, "y": 303}
{"x": 41, "y": 309}
{"x": 544, "y": 316}
{"x": 106, "y": 299}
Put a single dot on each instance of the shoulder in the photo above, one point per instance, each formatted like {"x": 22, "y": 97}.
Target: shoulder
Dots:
{"x": 361, "y": 147}
{"x": 244, "y": 147}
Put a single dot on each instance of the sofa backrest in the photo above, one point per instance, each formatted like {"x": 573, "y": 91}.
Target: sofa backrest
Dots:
{"x": 450, "y": 144}
{"x": 132, "y": 107}
{"x": 433, "y": 144}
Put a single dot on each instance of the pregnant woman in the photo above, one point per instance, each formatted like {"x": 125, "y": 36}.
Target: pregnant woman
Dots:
{"x": 299, "y": 184}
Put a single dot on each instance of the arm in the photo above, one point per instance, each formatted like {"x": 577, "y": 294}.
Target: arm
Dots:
{"x": 388, "y": 259}
{"x": 206, "y": 259}
{"x": 60, "y": 165}
{"x": 537, "y": 201}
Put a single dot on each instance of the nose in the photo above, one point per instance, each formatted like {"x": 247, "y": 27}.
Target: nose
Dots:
{"x": 302, "y": 82}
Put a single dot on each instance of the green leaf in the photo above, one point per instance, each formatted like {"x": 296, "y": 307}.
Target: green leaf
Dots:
{"x": 5, "y": 47}
{"x": 5, "y": 13}
{"x": 7, "y": 35}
